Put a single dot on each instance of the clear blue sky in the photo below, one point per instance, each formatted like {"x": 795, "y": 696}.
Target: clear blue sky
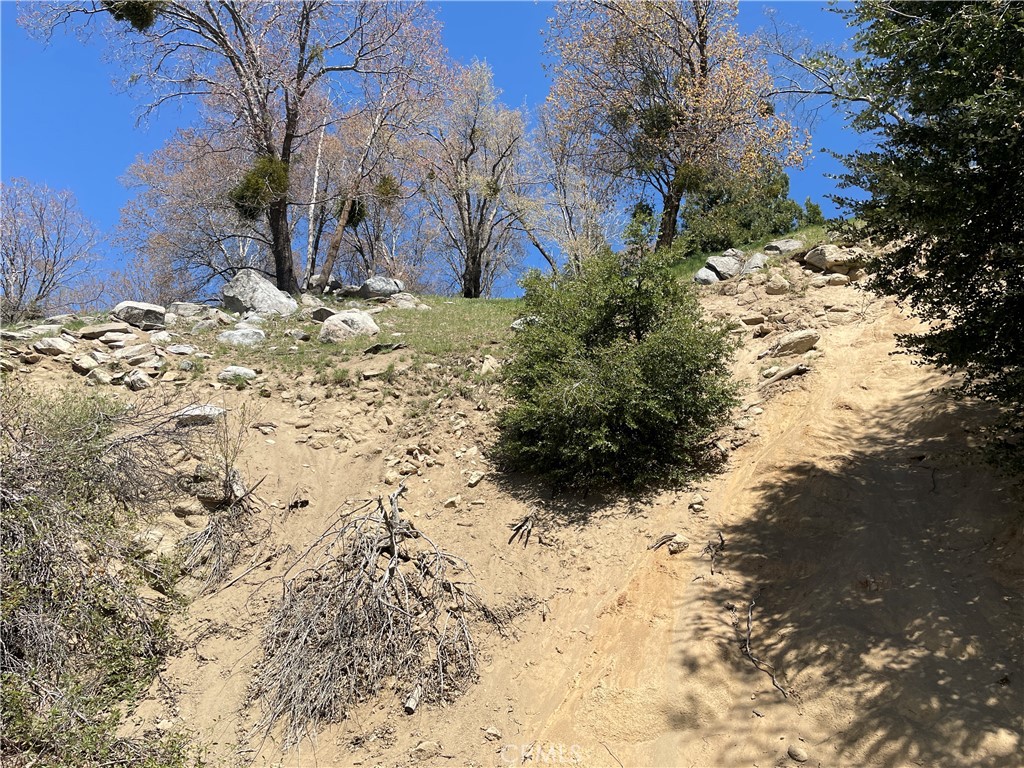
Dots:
{"x": 63, "y": 122}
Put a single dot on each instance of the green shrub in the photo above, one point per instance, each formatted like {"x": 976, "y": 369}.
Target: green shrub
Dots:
{"x": 265, "y": 183}
{"x": 620, "y": 381}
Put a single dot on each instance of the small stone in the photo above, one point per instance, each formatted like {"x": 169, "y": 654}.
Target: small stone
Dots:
{"x": 677, "y": 544}
{"x": 490, "y": 365}
{"x": 198, "y": 415}
{"x": 492, "y": 734}
{"x": 180, "y": 349}
{"x": 425, "y": 750}
{"x": 100, "y": 376}
{"x": 453, "y": 502}
{"x": 474, "y": 479}
{"x": 137, "y": 380}
{"x": 752, "y": 319}
{"x": 148, "y": 317}
{"x": 83, "y": 364}
{"x": 391, "y": 477}
{"x": 235, "y": 372}
{"x": 96, "y": 331}
{"x": 798, "y": 753}
{"x": 52, "y": 346}
{"x": 243, "y": 337}
{"x": 160, "y": 338}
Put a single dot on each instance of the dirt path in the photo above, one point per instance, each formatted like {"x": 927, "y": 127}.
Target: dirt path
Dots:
{"x": 870, "y": 557}
{"x": 885, "y": 572}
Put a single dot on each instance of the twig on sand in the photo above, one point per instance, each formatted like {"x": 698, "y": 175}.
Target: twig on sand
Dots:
{"x": 611, "y": 753}
{"x": 794, "y": 370}
{"x": 712, "y": 549}
{"x": 763, "y": 666}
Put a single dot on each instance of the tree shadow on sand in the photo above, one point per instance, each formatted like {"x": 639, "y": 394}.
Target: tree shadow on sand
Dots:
{"x": 888, "y": 588}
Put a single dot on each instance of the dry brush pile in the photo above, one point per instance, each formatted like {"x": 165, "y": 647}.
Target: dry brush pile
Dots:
{"x": 372, "y": 604}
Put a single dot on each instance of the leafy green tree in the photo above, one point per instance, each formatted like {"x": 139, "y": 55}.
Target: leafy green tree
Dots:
{"x": 618, "y": 381}
{"x": 942, "y": 87}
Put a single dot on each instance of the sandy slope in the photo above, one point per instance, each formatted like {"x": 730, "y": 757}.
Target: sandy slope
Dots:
{"x": 884, "y": 567}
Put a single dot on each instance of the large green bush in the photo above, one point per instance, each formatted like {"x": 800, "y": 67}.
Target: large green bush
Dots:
{"x": 616, "y": 379}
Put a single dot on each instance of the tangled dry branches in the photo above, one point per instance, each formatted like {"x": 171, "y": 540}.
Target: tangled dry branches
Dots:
{"x": 374, "y": 604}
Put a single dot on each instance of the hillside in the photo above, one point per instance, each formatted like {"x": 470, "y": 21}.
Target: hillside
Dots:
{"x": 853, "y": 548}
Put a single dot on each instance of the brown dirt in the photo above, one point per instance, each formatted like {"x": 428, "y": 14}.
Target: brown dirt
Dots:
{"x": 883, "y": 562}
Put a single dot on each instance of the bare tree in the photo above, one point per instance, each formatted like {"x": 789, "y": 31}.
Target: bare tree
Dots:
{"x": 255, "y": 65}
{"x": 473, "y": 162}
{"x": 671, "y": 93}
{"x": 48, "y": 251}
{"x": 180, "y": 227}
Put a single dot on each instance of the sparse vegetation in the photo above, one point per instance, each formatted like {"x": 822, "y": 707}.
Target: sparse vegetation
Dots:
{"x": 76, "y": 640}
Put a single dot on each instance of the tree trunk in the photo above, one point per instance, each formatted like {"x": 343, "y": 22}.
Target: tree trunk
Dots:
{"x": 472, "y": 276}
{"x": 334, "y": 244}
{"x": 281, "y": 246}
{"x": 669, "y": 216}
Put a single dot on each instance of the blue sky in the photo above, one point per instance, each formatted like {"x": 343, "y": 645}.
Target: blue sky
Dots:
{"x": 63, "y": 121}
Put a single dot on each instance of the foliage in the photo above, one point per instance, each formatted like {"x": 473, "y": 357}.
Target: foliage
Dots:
{"x": 663, "y": 89}
{"x": 47, "y": 247}
{"x": 733, "y": 210}
{"x": 620, "y": 381}
{"x": 263, "y": 184}
{"x": 141, "y": 14}
{"x": 76, "y": 641}
{"x": 944, "y": 89}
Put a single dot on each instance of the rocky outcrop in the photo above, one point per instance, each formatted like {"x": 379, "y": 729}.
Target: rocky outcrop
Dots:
{"x": 145, "y": 317}
{"x": 347, "y": 324}
{"x": 249, "y": 291}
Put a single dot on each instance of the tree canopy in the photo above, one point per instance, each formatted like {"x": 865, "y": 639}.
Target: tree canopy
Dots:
{"x": 942, "y": 87}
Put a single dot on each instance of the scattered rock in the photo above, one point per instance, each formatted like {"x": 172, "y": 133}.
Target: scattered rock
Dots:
{"x": 242, "y": 337}
{"x": 777, "y": 285}
{"x": 405, "y": 301}
{"x": 249, "y": 291}
{"x": 725, "y": 266}
{"x": 96, "y": 331}
{"x": 832, "y": 258}
{"x": 137, "y": 380}
{"x": 53, "y": 346}
{"x": 754, "y": 318}
{"x": 754, "y": 263}
{"x": 453, "y": 502}
{"x": 235, "y": 372}
{"x": 83, "y": 364}
{"x": 100, "y": 376}
{"x": 786, "y": 245}
{"x": 347, "y": 324}
{"x": 160, "y": 338}
{"x": 147, "y": 317}
{"x": 705, "y": 276}
{"x": 298, "y": 334}
{"x": 796, "y": 343}
{"x": 838, "y": 280}
{"x": 380, "y": 286}
{"x": 180, "y": 349}
{"x": 309, "y": 300}
{"x": 520, "y": 323}
{"x": 798, "y": 753}
{"x": 492, "y": 734}
{"x": 186, "y": 309}
{"x": 474, "y": 479}
{"x": 425, "y": 750}
{"x": 198, "y": 415}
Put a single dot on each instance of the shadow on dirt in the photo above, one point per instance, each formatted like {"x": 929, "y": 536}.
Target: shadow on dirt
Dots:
{"x": 887, "y": 584}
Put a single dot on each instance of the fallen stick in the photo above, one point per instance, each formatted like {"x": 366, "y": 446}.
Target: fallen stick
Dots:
{"x": 794, "y": 370}
{"x": 713, "y": 549}
{"x": 762, "y": 666}
{"x": 521, "y": 530}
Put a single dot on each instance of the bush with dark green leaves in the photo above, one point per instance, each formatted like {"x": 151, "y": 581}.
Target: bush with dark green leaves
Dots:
{"x": 265, "y": 183}
{"x": 616, "y": 378}
{"x": 941, "y": 89}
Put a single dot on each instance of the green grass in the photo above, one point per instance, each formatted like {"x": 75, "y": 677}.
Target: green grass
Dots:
{"x": 687, "y": 267}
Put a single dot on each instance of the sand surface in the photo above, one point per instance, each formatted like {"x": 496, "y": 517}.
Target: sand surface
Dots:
{"x": 878, "y": 563}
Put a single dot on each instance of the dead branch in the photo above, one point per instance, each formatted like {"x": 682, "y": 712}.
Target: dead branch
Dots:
{"x": 712, "y": 550}
{"x": 762, "y": 666}
{"x": 521, "y": 530}
{"x": 794, "y": 370}
{"x": 662, "y": 540}
{"x": 373, "y": 602}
